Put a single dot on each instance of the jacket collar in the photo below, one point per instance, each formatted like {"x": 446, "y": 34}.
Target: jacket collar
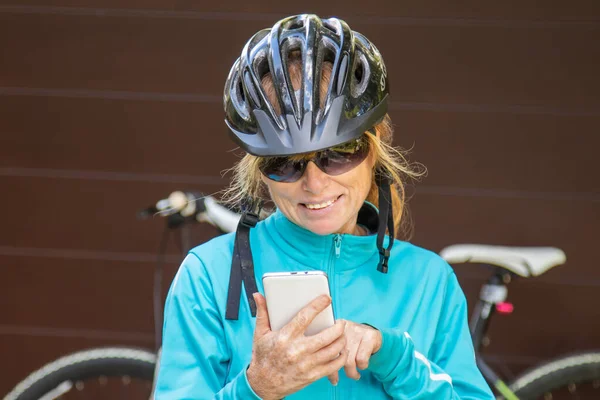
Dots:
{"x": 314, "y": 251}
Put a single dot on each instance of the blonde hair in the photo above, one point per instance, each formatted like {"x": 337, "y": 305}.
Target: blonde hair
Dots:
{"x": 247, "y": 183}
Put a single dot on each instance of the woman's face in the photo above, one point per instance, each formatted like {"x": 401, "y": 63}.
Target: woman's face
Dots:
{"x": 322, "y": 203}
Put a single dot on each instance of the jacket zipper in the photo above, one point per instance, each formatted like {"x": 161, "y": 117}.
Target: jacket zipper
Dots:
{"x": 337, "y": 243}
{"x": 337, "y": 249}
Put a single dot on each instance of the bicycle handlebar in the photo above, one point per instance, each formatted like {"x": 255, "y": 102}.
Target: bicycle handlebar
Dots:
{"x": 218, "y": 215}
{"x": 196, "y": 207}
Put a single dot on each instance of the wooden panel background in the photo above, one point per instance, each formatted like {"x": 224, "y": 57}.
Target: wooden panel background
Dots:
{"x": 106, "y": 106}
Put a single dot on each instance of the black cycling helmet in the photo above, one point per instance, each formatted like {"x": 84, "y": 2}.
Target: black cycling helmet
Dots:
{"x": 356, "y": 98}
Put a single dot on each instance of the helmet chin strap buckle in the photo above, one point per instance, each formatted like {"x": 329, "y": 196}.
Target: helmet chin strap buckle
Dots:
{"x": 386, "y": 220}
{"x": 251, "y": 212}
{"x": 249, "y": 219}
{"x": 384, "y": 256}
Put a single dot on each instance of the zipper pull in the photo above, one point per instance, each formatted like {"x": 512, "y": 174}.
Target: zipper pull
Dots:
{"x": 338, "y": 245}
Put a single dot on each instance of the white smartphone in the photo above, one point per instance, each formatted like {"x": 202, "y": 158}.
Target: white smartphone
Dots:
{"x": 289, "y": 292}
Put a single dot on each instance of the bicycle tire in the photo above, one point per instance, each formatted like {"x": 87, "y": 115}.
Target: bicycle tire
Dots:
{"x": 556, "y": 374}
{"x": 82, "y": 365}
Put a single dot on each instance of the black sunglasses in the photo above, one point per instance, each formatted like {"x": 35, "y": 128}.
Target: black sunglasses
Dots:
{"x": 333, "y": 161}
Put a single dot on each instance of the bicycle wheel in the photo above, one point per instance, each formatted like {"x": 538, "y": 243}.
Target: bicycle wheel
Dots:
{"x": 103, "y": 373}
{"x": 573, "y": 377}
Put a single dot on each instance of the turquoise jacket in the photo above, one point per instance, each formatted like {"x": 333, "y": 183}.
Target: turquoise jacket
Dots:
{"x": 418, "y": 306}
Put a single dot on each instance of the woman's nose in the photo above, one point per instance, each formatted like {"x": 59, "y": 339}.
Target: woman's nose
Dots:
{"x": 314, "y": 180}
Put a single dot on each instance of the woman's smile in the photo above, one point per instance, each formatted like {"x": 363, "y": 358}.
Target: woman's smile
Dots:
{"x": 320, "y": 205}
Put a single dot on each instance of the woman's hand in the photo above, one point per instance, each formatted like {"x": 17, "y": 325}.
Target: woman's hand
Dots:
{"x": 285, "y": 361}
{"x": 362, "y": 341}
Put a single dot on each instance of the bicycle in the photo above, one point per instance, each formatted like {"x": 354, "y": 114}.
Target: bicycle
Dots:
{"x": 69, "y": 376}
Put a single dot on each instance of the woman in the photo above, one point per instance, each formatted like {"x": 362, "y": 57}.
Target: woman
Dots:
{"x": 307, "y": 101}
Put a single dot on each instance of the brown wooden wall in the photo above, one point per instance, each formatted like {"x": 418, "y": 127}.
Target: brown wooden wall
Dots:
{"x": 106, "y": 106}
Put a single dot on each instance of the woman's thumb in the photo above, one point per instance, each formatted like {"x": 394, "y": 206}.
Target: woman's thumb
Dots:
{"x": 262, "y": 316}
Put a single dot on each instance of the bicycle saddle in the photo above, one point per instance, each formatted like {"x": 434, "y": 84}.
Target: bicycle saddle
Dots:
{"x": 523, "y": 261}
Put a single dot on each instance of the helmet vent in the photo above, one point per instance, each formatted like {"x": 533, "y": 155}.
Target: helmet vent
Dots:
{"x": 360, "y": 76}
{"x": 295, "y": 24}
{"x": 250, "y": 88}
{"x": 329, "y": 50}
{"x": 261, "y": 65}
{"x": 358, "y": 73}
{"x": 238, "y": 97}
{"x": 327, "y": 25}
{"x": 240, "y": 91}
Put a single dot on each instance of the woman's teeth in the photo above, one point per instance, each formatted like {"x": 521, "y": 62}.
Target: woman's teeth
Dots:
{"x": 321, "y": 205}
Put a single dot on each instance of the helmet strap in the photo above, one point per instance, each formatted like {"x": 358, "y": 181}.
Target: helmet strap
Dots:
{"x": 242, "y": 265}
{"x": 386, "y": 219}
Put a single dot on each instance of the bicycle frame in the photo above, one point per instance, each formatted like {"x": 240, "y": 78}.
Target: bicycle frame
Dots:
{"x": 492, "y": 293}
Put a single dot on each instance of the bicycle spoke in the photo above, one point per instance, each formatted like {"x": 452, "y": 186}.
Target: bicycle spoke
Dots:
{"x": 573, "y": 391}
{"x": 102, "y": 388}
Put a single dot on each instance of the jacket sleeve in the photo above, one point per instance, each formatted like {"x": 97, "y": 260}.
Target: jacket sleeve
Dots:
{"x": 195, "y": 358}
{"x": 450, "y": 372}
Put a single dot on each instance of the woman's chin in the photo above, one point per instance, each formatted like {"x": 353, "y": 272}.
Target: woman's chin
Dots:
{"x": 320, "y": 228}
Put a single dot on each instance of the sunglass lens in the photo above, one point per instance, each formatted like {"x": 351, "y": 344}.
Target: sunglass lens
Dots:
{"x": 334, "y": 162}
{"x": 282, "y": 169}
